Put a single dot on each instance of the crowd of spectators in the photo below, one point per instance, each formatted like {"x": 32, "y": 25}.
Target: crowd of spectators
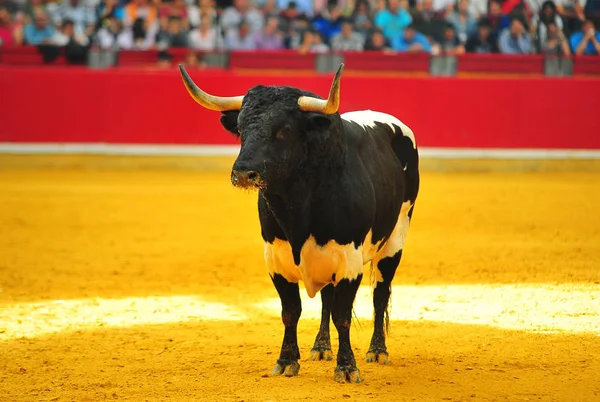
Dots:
{"x": 449, "y": 27}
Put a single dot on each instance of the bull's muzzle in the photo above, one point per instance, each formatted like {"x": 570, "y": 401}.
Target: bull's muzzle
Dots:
{"x": 246, "y": 179}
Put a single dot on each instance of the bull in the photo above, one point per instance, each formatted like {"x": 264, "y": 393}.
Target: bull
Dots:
{"x": 335, "y": 193}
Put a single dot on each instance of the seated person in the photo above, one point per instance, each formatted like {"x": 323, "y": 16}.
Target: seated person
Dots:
{"x": 411, "y": 41}
{"x": 450, "y": 44}
{"x": 482, "y": 41}
{"x": 587, "y": 41}
{"x": 515, "y": 39}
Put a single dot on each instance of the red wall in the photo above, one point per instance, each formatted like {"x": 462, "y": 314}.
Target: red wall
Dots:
{"x": 72, "y": 104}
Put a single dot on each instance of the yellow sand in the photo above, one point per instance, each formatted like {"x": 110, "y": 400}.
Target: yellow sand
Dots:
{"x": 150, "y": 285}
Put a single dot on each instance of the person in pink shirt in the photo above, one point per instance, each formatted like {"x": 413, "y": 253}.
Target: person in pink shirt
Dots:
{"x": 8, "y": 29}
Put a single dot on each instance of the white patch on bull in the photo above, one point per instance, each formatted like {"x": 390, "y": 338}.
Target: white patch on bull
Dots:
{"x": 318, "y": 264}
{"x": 368, "y": 118}
{"x": 395, "y": 242}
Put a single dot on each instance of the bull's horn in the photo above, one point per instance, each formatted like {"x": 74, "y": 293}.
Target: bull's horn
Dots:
{"x": 329, "y": 106}
{"x": 211, "y": 102}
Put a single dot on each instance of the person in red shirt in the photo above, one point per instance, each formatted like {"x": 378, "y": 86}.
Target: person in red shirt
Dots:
{"x": 512, "y": 7}
{"x": 8, "y": 29}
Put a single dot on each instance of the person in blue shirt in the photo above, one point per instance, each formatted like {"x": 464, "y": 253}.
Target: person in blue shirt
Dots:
{"x": 329, "y": 24}
{"x": 411, "y": 41}
{"x": 39, "y": 31}
{"x": 587, "y": 41}
{"x": 393, "y": 20}
{"x": 515, "y": 39}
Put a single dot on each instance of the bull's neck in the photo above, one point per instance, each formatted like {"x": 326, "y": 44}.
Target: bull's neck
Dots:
{"x": 297, "y": 207}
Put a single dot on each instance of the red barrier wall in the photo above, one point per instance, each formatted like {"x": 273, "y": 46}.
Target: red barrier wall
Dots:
{"x": 72, "y": 104}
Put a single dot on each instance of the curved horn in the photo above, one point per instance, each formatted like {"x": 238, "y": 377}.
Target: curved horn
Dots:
{"x": 211, "y": 102}
{"x": 329, "y": 106}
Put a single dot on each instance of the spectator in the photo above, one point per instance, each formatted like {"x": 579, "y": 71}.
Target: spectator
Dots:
{"x": 394, "y": 20}
{"x": 137, "y": 37}
{"x": 82, "y": 16}
{"x": 291, "y": 9}
{"x": 423, "y": 10}
{"x": 411, "y": 41}
{"x": 540, "y": 21}
{"x": 7, "y": 28}
{"x": 592, "y": 10}
{"x": 33, "y": 7}
{"x": 175, "y": 8}
{"x": 206, "y": 37}
{"x": 205, "y": 7}
{"x": 290, "y": 13}
{"x": 39, "y": 31}
{"x": 450, "y": 45}
{"x": 498, "y": 21}
{"x": 270, "y": 38}
{"x": 142, "y": 12}
{"x": 425, "y": 18}
{"x": 516, "y": 8}
{"x": 174, "y": 36}
{"x": 329, "y": 23}
{"x": 478, "y": 8}
{"x": 587, "y": 41}
{"x": 294, "y": 32}
{"x": 110, "y": 9}
{"x": 515, "y": 39}
{"x": 571, "y": 11}
{"x": 232, "y": 17}
{"x": 240, "y": 38}
{"x": 165, "y": 59}
{"x": 443, "y": 7}
{"x": 464, "y": 24}
{"x": 522, "y": 11}
{"x": 313, "y": 43}
{"x": 362, "y": 17}
{"x": 111, "y": 36}
{"x": 376, "y": 41}
{"x": 555, "y": 42}
{"x": 482, "y": 41}
{"x": 76, "y": 45}
{"x": 348, "y": 39}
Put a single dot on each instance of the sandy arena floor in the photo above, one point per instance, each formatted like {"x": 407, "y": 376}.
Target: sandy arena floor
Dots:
{"x": 150, "y": 286}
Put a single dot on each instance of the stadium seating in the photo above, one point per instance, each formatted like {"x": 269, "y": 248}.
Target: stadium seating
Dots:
{"x": 355, "y": 61}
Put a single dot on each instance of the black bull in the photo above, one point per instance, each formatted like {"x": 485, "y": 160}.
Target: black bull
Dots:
{"x": 335, "y": 192}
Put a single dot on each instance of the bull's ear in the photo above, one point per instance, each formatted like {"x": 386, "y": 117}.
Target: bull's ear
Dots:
{"x": 319, "y": 121}
{"x": 229, "y": 121}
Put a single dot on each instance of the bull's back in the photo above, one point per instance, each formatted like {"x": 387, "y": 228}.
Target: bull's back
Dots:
{"x": 388, "y": 151}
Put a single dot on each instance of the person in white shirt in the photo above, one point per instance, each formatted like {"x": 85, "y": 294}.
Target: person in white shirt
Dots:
{"x": 206, "y": 37}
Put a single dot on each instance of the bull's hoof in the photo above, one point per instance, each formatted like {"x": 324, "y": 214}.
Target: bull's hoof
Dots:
{"x": 347, "y": 373}
{"x": 288, "y": 370}
{"x": 380, "y": 357}
{"x": 317, "y": 354}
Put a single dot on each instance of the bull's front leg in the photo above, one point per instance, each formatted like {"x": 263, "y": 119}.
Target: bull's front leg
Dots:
{"x": 291, "y": 308}
{"x": 341, "y": 312}
{"x": 322, "y": 347}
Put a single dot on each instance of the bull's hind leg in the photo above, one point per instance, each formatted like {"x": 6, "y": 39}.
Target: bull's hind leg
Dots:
{"x": 384, "y": 268}
{"x": 381, "y": 296}
{"x": 322, "y": 347}
{"x": 341, "y": 312}
{"x": 291, "y": 308}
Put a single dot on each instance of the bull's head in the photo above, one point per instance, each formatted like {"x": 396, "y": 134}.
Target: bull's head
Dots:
{"x": 282, "y": 130}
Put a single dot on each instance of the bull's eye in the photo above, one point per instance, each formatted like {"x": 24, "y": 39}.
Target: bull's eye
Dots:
{"x": 282, "y": 132}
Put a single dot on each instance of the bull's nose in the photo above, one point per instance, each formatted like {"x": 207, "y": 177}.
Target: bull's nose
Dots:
{"x": 244, "y": 176}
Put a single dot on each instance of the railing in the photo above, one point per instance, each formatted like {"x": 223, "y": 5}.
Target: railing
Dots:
{"x": 372, "y": 61}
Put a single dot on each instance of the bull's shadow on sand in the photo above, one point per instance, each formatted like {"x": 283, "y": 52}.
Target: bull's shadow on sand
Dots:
{"x": 212, "y": 360}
